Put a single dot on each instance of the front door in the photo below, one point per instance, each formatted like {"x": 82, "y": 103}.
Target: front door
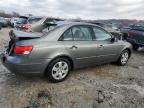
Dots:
{"x": 106, "y": 50}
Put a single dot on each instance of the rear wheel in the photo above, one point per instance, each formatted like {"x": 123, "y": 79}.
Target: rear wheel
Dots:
{"x": 124, "y": 57}
{"x": 58, "y": 70}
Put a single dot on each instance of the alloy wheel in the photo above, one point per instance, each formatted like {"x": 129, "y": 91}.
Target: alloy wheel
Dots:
{"x": 60, "y": 70}
{"x": 124, "y": 57}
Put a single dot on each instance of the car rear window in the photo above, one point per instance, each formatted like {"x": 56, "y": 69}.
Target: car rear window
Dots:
{"x": 49, "y": 28}
{"x": 52, "y": 30}
{"x": 141, "y": 28}
{"x": 33, "y": 20}
{"x": 22, "y": 20}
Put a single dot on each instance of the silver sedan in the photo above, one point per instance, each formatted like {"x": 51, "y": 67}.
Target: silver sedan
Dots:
{"x": 66, "y": 47}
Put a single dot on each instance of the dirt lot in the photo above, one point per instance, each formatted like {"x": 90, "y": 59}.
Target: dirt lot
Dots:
{"x": 106, "y": 86}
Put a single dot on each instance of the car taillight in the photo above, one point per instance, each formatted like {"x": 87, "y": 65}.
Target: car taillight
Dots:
{"x": 25, "y": 26}
{"x": 23, "y": 49}
{"x": 129, "y": 34}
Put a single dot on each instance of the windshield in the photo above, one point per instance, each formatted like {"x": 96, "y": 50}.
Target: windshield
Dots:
{"x": 33, "y": 20}
{"x": 49, "y": 28}
{"x": 53, "y": 28}
{"x": 22, "y": 21}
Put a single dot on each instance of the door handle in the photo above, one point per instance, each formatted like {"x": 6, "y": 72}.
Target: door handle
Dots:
{"x": 73, "y": 47}
{"x": 100, "y": 46}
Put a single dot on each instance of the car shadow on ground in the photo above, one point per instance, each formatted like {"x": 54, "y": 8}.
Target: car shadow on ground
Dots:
{"x": 17, "y": 80}
{"x": 140, "y": 51}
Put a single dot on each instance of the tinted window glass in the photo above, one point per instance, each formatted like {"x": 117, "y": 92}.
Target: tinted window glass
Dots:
{"x": 49, "y": 28}
{"x": 67, "y": 35}
{"x": 33, "y": 20}
{"x": 101, "y": 34}
{"x": 81, "y": 33}
{"x": 22, "y": 21}
{"x": 48, "y": 20}
{"x": 138, "y": 27}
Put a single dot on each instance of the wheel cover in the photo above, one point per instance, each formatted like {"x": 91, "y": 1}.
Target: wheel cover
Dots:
{"x": 124, "y": 57}
{"x": 60, "y": 70}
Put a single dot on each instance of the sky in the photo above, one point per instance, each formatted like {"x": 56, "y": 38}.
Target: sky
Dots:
{"x": 85, "y": 9}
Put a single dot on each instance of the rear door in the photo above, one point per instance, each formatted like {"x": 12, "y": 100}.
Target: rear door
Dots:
{"x": 78, "y": 41}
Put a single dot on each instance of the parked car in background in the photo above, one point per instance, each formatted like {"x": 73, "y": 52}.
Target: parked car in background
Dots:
{"x": 114, "y": 26}
{"x": 3, "y": 22}
{"x": 124, "y": 32}
{"x": 33, "y": 24}
{"x": 24, "y": 23}
{"x": 44, "y": 23}
{"x": 38, "y": 30}
{"x": 114, "y": 29}
{"x": 13, "y": 22}
{"x": 136, "y": 36}
{"x": 99, "y": 24}
{"x": 66, "y": 47}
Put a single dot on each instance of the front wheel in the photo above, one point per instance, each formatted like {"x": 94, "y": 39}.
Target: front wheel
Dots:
{"x": 58, "y": 70}
{"x": 124, "y": 57}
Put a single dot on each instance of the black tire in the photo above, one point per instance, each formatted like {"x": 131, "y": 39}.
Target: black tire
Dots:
{"x": 49, "y": 70}
{"x": 119, "y": 61}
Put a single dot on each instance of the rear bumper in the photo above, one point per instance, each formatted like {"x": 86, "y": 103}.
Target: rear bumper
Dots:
{"x": 25, "y": 67}
{"x": 133, "y": 41}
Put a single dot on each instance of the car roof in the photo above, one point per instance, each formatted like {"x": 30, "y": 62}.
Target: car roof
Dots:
{"x": 30, "y": 17}
{"x": 35, "y": 17}
{"x": 74, "y": 23}
{"x": 62, "y": 26}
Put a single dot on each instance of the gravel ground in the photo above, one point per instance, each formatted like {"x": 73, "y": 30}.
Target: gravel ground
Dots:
{"x": 104, "y": 86}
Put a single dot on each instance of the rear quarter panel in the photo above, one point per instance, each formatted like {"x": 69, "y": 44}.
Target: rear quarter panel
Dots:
{"x": 48, "y": 50}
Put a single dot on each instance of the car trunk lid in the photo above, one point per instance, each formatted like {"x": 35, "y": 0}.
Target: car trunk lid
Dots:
{"x": 16, "y": 35}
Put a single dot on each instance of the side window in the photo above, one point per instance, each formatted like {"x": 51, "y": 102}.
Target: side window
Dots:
{"x": 101, "y": 34}
{"x": 67, "y": 36}
{"x": 81, "y": 33}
